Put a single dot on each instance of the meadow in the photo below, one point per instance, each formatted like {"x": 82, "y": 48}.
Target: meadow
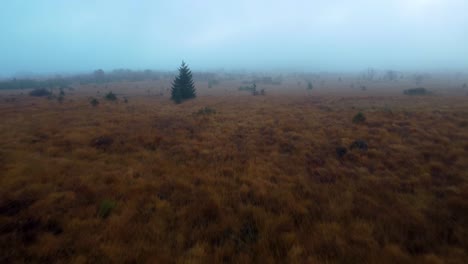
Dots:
{"x": 286, "y": 177}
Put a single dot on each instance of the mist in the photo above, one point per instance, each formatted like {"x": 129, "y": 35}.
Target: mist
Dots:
{"x": 54, "y": 36}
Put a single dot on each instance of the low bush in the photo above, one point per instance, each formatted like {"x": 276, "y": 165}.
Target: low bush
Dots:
{"x": 359, "y": 144}
{"x": 250, "y": 88}
{"x": 40, "y": 92}
{"x": 359, "y": 118}
{"x": 416, "y": 91}
{"x": 105, "y": 208}
{"x": 94, "y": 102}
{"x": 110, "y": 96}
{"x": 102, "y": 142}
{"x": 10, "y": 100}
{"x": 341, "y": 152}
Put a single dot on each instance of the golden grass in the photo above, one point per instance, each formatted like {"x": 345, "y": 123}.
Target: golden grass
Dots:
{"x": 257, "y": 181}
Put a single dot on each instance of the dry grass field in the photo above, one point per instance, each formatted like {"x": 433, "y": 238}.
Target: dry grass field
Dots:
{"x": 233, "y": 178}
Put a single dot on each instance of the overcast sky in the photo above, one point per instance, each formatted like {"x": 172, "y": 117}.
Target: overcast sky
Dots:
{"x": 46, "y": 36}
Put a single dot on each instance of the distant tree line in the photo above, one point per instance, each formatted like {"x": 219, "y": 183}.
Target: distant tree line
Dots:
{"x": 100, "y": 76}
{"x": 120, "y": 75}
{"x": 34, "y": 84}
{"x": 96, "y": 77}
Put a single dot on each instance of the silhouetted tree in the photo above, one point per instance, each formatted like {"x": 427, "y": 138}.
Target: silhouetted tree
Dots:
{"x": 369, "y": 74}
{"x": 391, "y": 75}
{"x": 99, "y": 75}
{"x": 418, "y": 78}
{"x": 183, "y": 87}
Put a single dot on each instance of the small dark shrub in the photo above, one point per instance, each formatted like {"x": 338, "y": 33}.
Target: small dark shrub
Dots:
{"x": 13, "y": 207}
{"x": 254, "y": 89}
{"x": 465, "y": 86}
{"x": 287, "y": 148}
{"x": 341, "y": 152}
{"x": 251, "y": 88}
{"x": 359, "y": 144}
{"x": 110, "y": 96}
{"x": 10, "y": 100}
{"x": 359, "y": 118}
{"x": 416, "y": 91}
{"x": 53, "y": 226}
{"x": 28, "y": 229}
{"x": 105, "y": 208}
{"x": 310, "y": 86}
{"x": 363, "y": 88}
{"x": 125, "y": 100}
{"x": 248, "y": 233}
{"x": 40, "y": 92}
{"x": 94, "y": 102}
{"x": 102, "y": 142}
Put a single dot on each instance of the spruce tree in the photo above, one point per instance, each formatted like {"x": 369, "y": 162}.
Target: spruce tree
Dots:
{"x": 183, "y": 87}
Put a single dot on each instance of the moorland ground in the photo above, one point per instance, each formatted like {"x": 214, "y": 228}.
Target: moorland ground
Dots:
{"x": 231, "y": 177}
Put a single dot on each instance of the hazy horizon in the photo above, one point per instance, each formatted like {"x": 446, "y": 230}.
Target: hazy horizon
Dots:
{"x": 52, "y": 36}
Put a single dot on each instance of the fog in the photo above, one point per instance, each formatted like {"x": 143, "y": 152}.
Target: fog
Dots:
{"x": 54, "y": 36}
